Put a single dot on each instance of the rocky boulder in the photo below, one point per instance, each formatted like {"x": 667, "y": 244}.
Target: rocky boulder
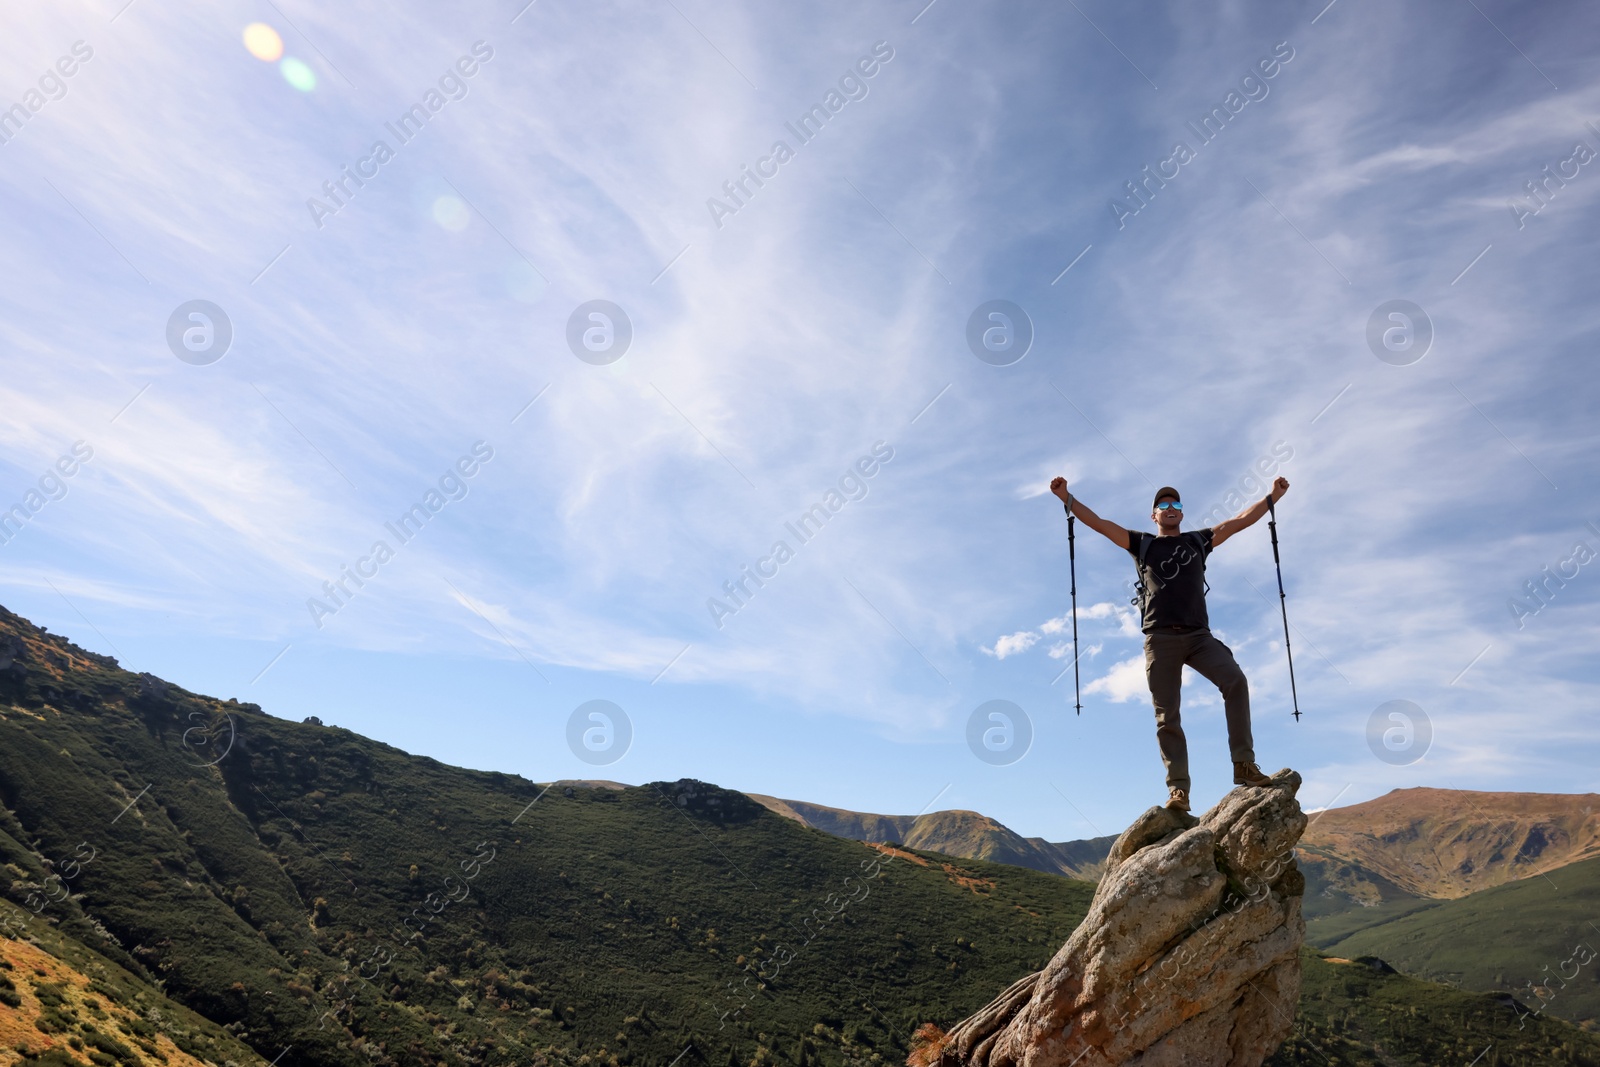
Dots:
{"x": 1189, "y": 954}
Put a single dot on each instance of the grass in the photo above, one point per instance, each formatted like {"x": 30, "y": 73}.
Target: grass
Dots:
{"x": 92, "y": 1005}
{"x": 1513, "y": 938}
{"x": 1353, "y": 1014}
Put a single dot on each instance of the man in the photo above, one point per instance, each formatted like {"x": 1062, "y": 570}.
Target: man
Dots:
{"x": 1171, "y": 567}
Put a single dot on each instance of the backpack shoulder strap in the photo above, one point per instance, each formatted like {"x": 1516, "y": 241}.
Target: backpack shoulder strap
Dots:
{"x": 1200, "y": 550}
{"x": 1140, "y": 588}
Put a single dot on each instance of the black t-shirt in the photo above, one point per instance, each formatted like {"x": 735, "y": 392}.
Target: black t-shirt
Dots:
{"x": 1174, "y": 577}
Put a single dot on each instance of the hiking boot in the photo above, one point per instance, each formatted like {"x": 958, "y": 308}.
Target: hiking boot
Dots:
{"x": 1249, "y": 774}
{"x": 1178, "y": 800}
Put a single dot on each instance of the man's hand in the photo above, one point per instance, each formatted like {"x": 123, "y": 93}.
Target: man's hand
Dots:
{"x": 1117, "y": 535}
{"x": 1250, "y": 515}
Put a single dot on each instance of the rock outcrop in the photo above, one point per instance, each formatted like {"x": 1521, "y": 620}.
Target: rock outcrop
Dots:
{"x": 1189, "y": 954}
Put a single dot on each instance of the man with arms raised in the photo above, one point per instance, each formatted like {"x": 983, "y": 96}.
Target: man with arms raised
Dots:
{"x": 1172, "y": 566}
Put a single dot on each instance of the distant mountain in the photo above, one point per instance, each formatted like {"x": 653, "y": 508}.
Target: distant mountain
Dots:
{"x": 1408, "y": 845}
{"x": 964, "y": 834}
{"x": 1442, "y": 844}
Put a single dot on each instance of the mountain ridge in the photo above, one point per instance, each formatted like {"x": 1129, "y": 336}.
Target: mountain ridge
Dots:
{"x": 1446, "y": 843}
{"x": 955, "y": 832}
{"x": 1408, "y": 844}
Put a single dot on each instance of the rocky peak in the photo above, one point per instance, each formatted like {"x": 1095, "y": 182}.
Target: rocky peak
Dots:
{"x": 1189, "y": 954}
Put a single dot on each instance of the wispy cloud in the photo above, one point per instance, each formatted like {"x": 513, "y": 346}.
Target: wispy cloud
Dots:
{"x": 776, "y": 350}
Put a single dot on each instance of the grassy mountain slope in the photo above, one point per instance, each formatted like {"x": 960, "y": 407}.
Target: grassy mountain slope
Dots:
{"x": 309, "y": 887}
{"x": 314, "y": 890}
{"x": 1446, "y": 843}
{"x": 1330, "y": 927}
{"x": 1513, "y": 937}
{"x": 63, "y": 1003}
{"x": 965, "y": 834}
{"x": 1359, "y": 1012}
{"x": 854, "y": 825}
{"x": 1336, "y": 886}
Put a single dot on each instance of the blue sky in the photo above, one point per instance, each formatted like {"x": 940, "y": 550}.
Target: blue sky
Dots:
{"x": 1222, "y": 324}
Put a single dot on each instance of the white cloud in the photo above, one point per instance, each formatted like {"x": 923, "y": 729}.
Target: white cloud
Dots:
{"x": 1105, "y": 609}
{"x": 1124, "y": 682}
{"x": 1011, "y": 644}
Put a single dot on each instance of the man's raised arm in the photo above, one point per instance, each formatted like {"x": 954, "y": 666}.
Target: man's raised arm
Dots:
{"x": 1249, "y": 516}
{"x": 1116, "y": 534}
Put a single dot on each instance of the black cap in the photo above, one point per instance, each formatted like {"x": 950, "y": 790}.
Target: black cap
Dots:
{"x": 1165, "y": 490}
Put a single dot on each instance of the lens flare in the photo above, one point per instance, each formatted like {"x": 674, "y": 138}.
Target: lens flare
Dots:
{"x": 263, "y": 42}
{"x": 298, "y": 74}
{"x": 451, "y": 213}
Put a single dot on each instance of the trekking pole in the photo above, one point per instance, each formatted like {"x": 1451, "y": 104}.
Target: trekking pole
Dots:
{"x": 1072, "y": 570}
{"x": 1272, "y": 527}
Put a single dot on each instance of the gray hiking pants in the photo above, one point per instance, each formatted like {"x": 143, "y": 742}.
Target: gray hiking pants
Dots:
{"x": 1165, "y": 655}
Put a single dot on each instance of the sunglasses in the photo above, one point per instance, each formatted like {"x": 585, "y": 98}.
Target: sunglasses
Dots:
{"x": 1165, "y": 504}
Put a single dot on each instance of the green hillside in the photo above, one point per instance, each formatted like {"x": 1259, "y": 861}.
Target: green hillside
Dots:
{"x": 1331, "y": 926}
{"x": 311, "y": 890}
{"x": 1342, "y": 896}
{"x": 1337, "y": 885}
{"x": 1522, "y": 937}
{"x": 1361, "y": 1012}
{"x": 62, "y": 1002}
{"x": 315, "y": 889}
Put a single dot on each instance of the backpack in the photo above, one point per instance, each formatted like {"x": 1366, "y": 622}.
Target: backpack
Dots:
{"x": 1140, "y": 590}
